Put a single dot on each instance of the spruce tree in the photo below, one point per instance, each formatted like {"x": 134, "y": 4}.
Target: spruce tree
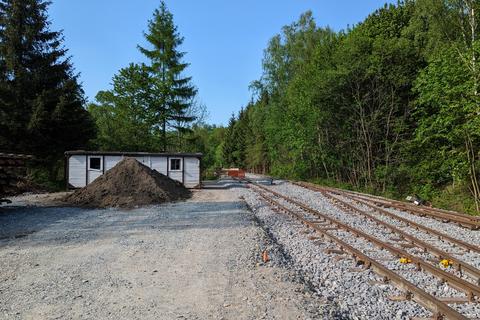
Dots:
{"x": 41, "y": 101}
{"x": 173, "y": 92}
{"x": 229, "y": 146}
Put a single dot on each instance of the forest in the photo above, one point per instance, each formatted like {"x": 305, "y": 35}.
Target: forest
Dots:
{"x": 388, "y": 106}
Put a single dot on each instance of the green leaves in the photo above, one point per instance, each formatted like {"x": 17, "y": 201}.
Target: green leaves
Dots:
{"x": 388, "y": 106}
{"x": 122, "y": 114}
{"x": 41, "y": 101}
{"x": 150, "y": 106}
{"x": 173, "y": 93}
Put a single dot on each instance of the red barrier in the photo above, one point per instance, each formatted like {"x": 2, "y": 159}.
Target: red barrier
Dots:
{"x": 236, "y": 173}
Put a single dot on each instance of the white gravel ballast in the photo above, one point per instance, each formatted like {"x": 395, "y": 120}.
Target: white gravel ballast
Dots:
{"x": 335, "y": 278}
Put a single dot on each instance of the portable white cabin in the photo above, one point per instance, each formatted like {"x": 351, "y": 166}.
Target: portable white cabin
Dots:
{"x": 83, "y": 167}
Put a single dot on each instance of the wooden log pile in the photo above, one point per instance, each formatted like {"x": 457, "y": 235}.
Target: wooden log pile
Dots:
{"x": 13, "y": 169}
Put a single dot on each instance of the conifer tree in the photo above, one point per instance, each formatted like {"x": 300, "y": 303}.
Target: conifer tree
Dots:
{"x": 229, "y": 142}
{"x": 173, "y": 92}
{"x": 41, "y": 101}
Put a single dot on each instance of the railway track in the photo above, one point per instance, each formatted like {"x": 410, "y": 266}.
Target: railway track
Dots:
{"x": 463, "y": 277}
{"x": 464, "y": 220}
{"x": 440, "y": 254}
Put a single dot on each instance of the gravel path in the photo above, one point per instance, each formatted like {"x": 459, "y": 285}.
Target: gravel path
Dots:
{"x": 197, "y": 260}
{"x": 189, "y": 260}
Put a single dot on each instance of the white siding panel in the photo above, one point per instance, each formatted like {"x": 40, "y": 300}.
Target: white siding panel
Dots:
{"x": 144, "y": 160}
{"x": 93, "y": 174}
{"x": 77, "y": 165}
{"x": 159, "y": 164}
{"x": 192, "y": 172}
{"x": 176, "y": 175}
{"x": 189, "y": 176}
{"x": 111, "y": 161}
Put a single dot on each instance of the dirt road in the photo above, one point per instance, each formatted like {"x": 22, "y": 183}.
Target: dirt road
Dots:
{"x": 189, "y": 260}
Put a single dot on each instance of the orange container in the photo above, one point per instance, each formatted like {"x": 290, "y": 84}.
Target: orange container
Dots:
{"x": 236, "y": 173}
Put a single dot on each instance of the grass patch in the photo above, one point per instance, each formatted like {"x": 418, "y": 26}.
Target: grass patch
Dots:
{"x": 456, "y": 198}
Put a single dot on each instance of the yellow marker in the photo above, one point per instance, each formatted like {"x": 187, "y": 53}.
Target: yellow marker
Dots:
{"x": 405, "y": 260}
{"x": 446, "y": 263}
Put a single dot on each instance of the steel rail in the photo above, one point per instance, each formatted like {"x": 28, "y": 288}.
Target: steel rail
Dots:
{"x": 471, "y": 290}
{"x": 439, "y": 309}
{"x": 386, "y": 200}
{"x": 465, "y": 220}
{"x": 415, "y": 225}
{"x": 461, "y": 265}
{"x": 443, "y": 211}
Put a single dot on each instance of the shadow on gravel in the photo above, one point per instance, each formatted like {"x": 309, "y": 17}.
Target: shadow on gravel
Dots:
{"x": 35, "y": 226}
{"x": 223, "y": 184}
{"x": 18, "y": 222}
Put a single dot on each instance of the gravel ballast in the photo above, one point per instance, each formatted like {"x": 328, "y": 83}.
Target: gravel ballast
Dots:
{"x": 202, "y": 259}
{"x": 364, "y": 299}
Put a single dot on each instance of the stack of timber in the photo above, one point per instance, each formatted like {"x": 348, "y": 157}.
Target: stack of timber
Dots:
{"x": 13, "y": 169}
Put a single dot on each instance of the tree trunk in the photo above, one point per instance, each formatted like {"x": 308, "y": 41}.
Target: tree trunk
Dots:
{"x": 473, "y": 28}
{"x": 473, "y": 171}
{"x": 164, "y": 134}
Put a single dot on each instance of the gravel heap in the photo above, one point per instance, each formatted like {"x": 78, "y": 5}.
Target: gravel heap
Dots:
{"x": 129, "y": 184}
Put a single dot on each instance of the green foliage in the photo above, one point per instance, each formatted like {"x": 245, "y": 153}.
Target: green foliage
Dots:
{"x": 151, "y": 106}
{"x": 171, "y": 93}
{"x": 122, "y": 115}
{"x": 208, "y": 140}
{"x": 41, "y": 101}
{"x": 389, "y": 106}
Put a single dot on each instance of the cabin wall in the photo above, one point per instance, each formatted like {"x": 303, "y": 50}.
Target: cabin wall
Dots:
{"x": 144, "y": 160}
{"x": 192, "y": 172}
{"x": 79, "y": 172}
{"x": 111, "y": 161}
{"x": 160, "y": 164}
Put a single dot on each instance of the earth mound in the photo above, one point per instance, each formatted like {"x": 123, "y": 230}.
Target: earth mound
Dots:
{"x": 127, "y": 185}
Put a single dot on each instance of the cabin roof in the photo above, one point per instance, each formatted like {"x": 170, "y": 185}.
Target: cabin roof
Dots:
{"x": 133, "y": 154}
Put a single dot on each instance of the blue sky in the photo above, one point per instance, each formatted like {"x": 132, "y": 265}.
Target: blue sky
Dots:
{"x": 224, "y": 39}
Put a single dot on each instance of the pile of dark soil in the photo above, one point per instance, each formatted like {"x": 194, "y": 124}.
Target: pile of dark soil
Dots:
{"x": 127, "y": 185}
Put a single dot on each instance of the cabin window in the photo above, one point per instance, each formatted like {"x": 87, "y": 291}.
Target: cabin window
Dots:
{"x": 95, "y": 163}
{"x": 175, "y": 164}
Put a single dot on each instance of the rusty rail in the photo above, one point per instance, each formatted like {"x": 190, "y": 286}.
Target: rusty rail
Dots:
{"x": 461, "y": 265}
{"x": 411, "y": 223}
{"x": 470, "y": 289}
{"x": 464, "y": 220}
{"x": 439, "y": 309}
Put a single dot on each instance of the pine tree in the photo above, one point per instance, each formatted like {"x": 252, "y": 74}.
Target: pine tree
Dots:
{"x": 41, "y": 101}
{"x": 229, "y": 145}
{"x": 173, "y": 92}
